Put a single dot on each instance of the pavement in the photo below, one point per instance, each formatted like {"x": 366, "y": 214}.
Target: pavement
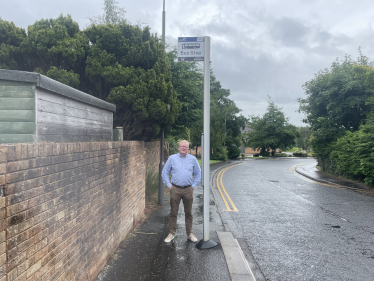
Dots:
{"x": 309, "y": 170}
{"x": 144, "y": 255}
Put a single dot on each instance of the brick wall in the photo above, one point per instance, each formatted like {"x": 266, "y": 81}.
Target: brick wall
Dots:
{"x": 2, "y": 216}
{"x": 67, "y": 206}
{"x": 153, "y": 154}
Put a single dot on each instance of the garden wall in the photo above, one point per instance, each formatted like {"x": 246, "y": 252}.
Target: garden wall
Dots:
{"x": 65, "y": 207}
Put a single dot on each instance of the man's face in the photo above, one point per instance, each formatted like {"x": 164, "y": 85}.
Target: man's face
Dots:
{"x": 183, "y": 148}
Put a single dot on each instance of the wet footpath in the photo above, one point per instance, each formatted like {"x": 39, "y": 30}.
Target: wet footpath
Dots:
{"x": 144, "y": 255}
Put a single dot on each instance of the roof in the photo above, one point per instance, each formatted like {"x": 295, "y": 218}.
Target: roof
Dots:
{"x": 47, "y": 83}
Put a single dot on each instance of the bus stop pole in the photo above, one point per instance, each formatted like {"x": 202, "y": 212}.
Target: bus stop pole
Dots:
{"x": 206, "y": 243}
{"x": 202, "y": 160}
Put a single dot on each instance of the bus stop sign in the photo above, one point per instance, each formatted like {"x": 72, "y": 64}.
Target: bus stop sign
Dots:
{"x": 190, "y": 48}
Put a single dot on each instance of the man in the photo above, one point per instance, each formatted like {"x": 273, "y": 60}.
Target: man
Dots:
{"x": 182, "y": 167}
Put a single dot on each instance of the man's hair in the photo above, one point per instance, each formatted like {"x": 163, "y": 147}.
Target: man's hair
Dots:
{"x": 184, "y": 141}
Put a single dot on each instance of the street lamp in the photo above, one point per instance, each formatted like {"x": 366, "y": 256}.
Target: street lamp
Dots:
{"x": 163, "y": 24}
{"x": 140, "y": 24}
{"x": 161, "y": 165}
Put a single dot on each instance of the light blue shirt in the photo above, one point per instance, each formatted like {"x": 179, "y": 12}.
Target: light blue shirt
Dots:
{"x": 181, "y": 171}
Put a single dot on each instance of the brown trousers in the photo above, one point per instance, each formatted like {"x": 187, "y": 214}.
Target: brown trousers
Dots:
{"x": 176, "y": 194}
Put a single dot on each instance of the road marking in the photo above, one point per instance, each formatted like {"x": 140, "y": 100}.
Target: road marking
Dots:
{"x": 219, "y": 180}
{"x": 220, "y": 192}
{"x": 362, "y": 191}
{"x": 223, "y": 188}
{"x": 293, "y": 171}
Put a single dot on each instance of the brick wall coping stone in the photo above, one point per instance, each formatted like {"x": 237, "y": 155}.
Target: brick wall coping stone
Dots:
{"x": 44, "y": 82}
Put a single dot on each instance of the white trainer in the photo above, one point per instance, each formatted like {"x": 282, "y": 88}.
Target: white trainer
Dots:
{"x": 169, "y": 238}
{"x": 192, "y": 237}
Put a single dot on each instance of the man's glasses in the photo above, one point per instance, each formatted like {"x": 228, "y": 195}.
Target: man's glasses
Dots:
{"x": 183, "y": 146}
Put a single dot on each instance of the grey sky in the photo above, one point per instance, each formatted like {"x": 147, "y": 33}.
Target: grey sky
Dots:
{"x": 258, "y": 48}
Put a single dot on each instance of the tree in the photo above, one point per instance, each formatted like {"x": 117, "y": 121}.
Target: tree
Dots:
{"x": 336, "y": 98}
{"x": 128, "y": 66}
{"x": 272, "y": 130}
{"x": 337, "y": 101}
{"x": 187, "y": 80}
{"x": 11, "y": 38}
{"x": 226, "y": 122}
{"x": 303, "y": 141}
{"x": 352, "y": 154}
{"x": 119, "y": 63}
{"x": 55, "y": 48}
{"x": 113, "y": 14}
{"x": 195, "y": 133}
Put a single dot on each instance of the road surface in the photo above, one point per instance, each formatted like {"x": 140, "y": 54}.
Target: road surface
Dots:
{"x": 298, "y": 229}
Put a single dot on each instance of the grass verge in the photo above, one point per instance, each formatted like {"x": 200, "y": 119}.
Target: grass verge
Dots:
{"x": 211, "y": 161}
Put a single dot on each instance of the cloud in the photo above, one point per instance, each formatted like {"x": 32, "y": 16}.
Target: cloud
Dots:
{"x": 289, "y": 32}
{"x": 259, "y": 48}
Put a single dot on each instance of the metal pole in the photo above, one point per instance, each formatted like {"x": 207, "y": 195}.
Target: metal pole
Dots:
{"x": 202, "y": 160}
{"x": 224, "y": 142}
{"x": 205, "y": 243}
{"x": 206, "y": 134}
{"x": 160, "y": 168}
{"x": 163, "y": 24}
{"x": 161, "y": 165}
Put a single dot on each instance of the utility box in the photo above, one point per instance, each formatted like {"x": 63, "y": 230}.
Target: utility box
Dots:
{"x": 35, "y": 108}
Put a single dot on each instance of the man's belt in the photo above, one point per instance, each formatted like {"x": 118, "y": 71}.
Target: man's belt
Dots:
{"x": 182, "y": 187}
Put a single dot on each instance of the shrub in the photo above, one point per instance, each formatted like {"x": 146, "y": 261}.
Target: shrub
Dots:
{"x": 219, "y": 154}
{"x": 233, "y": 152}
{"x": 300, "y": 153}
{"x": 353, "y": 155}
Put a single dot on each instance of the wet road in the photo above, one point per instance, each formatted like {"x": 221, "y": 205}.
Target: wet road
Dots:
{"x": 298, "y": 229}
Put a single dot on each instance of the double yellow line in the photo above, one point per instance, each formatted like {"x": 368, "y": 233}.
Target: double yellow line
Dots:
{"x": 219, "y": 183}
{"x": 293, "y": 170}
